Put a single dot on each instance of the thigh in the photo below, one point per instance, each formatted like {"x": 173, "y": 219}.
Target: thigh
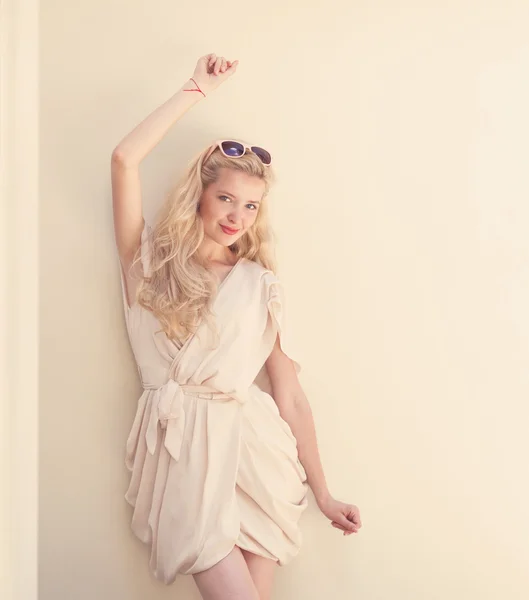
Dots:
{"x": 262, "y": 571}
{"x": 229, "y": 579}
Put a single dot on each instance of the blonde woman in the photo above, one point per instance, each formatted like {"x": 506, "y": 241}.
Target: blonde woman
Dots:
{"x": 220, "y": 468}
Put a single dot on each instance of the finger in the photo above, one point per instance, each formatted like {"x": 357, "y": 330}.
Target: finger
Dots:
{"x": 354, "y": 517}
{"x": 342, "y": 520}
{"x": 232, "y": 66}
{"x": 218, "y": 65}
{"x": 345, "y": 531}
{"x": 346, "y": 523}
{"x": 339, "y": 527}
{"x": 210, "y": 64}
{"x": 224, "y": 65}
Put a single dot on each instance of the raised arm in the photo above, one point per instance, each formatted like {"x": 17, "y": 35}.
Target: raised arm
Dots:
{"x": 209, "y": 73}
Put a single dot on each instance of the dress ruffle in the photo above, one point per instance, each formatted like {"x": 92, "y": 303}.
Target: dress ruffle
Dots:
{"x": 276, "y": 303}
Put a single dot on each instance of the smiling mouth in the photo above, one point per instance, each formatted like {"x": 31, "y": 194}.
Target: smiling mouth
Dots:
{"x": 228, "y": 229}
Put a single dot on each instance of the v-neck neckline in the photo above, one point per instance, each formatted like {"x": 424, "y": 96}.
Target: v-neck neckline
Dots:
{"x": 221, "y": 284}
{"x": 193, "y": 335}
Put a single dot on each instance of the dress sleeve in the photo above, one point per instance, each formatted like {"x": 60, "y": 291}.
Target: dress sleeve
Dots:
{"x": 145, "y": 251}
{"x": 277, "y": 310}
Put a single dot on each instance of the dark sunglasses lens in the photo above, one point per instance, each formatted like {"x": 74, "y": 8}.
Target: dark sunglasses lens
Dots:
{"x": 262, "y": 154}
{"x": 233, "y": 148}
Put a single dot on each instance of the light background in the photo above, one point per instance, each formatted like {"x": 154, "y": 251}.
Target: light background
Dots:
{"x": 399, "y": 131}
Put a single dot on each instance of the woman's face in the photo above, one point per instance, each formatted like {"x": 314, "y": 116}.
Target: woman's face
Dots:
{"x": 229, "y": 206}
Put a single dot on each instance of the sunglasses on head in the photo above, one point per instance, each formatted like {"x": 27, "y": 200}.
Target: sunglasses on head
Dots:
{"x": 236, "y": 149}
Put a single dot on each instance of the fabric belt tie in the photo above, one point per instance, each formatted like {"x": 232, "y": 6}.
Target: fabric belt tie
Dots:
{"x": 167, "y": 408}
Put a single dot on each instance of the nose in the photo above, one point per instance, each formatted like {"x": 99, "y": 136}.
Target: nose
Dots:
{"x": 235, "y": 216}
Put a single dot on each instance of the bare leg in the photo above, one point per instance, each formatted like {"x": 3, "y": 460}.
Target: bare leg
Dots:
{"x": 229, "y": 579}
{"x": 262, "y": 571}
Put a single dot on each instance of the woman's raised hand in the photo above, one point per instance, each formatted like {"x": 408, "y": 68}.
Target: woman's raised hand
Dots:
{"x": 212, "y": 70}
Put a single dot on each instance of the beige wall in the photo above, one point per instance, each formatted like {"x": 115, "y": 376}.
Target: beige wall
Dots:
{"x": 18, "y": 298}
{"x": 399, "y": 131}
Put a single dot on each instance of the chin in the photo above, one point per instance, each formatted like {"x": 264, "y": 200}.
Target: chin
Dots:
{"x": 226, "y": 242}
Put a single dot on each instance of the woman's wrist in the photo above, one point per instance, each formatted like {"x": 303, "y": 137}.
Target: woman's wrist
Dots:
{"x": 322, "y": 497}
{"x": 193, "y": 87}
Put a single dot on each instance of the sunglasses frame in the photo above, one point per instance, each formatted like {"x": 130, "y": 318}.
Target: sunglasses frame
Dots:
{"x": 218, "y": 144}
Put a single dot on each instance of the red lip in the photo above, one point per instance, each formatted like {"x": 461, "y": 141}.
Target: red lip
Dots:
{"x": 228, "y": 230}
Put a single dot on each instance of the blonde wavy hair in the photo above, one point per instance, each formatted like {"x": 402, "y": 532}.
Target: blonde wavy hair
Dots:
{"x": 179, "y": 288}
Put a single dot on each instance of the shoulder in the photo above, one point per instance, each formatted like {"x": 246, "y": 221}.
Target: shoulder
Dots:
{"x": 259, "y": 274}
{"x": 263, "y": 283}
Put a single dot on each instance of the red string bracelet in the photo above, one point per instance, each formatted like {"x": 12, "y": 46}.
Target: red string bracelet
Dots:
{"x": 197, "y": 88}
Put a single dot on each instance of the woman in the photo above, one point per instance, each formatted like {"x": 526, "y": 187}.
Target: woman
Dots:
{"x": 219, "y": 467}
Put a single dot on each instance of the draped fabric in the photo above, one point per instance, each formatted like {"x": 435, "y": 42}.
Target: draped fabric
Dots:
{"x": 212, "y": 463}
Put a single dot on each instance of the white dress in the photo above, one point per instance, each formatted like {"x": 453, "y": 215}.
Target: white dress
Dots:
{"x": 212, "y": 462}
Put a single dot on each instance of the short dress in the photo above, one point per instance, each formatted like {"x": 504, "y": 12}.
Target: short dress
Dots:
{"x": 213, "y": 464}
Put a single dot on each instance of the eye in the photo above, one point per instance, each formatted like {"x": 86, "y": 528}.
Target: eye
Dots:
{"x": 254, "y": 206}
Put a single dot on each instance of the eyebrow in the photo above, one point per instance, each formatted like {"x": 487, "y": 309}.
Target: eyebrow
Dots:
{"x": 232, "y": 196}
